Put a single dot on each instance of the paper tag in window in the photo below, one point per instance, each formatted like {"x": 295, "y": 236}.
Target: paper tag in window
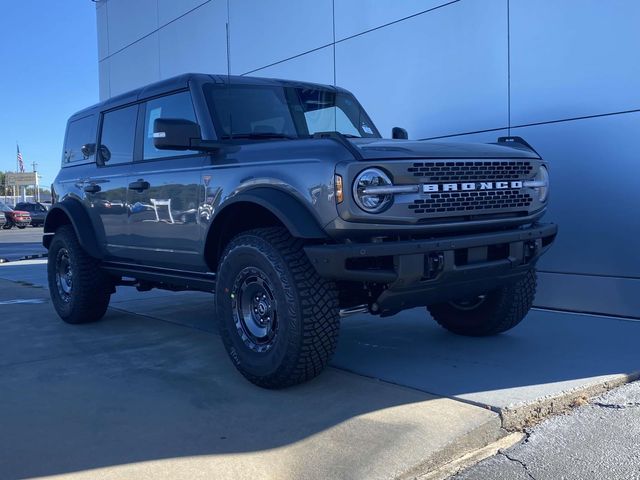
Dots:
{"x": 367, "y": 129}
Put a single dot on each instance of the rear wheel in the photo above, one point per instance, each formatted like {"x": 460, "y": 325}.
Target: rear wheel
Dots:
{"x": 489, "y": 314}
{"x": 79, "y": 289}
{"x": 278, "y": 318}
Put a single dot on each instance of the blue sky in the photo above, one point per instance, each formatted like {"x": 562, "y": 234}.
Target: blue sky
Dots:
{"x": 49, "y": 65}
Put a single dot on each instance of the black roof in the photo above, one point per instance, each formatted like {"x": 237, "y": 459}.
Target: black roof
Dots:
{"x": 182, "y": 81}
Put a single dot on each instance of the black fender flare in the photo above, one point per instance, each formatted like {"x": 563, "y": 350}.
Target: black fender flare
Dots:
{"x": 71, "y": 211}
{"x": 297, "y": 218}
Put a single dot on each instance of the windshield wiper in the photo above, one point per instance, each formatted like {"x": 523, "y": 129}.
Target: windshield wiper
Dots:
{"x": 258, "y": 135}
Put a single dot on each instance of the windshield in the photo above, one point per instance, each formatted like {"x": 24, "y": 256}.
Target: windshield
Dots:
{"x": 266, "y": 111}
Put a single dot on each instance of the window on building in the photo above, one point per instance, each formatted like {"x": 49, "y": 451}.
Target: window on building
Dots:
{"x": 118, "y": 134}
{"x": 80, "y": 133}
{"x": 179, "y": 106}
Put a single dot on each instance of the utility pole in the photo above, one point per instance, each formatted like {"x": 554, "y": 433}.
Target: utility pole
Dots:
{"x": 37, "y": 192}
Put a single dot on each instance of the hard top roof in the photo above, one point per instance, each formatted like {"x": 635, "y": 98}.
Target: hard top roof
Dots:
{"x": 182, "y": 81}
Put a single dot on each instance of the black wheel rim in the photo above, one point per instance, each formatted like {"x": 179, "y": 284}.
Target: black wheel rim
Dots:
{"x": 254, "y": 308}
{"x": 64, "y": 275}
{"x": 469, "y": 303}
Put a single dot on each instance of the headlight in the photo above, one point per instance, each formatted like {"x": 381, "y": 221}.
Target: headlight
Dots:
{"x": 364, "y": 192}
{"x": 542, "y": 179}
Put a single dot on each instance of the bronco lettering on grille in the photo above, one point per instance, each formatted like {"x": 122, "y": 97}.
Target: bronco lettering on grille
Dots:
{"x": 468, "y": 186}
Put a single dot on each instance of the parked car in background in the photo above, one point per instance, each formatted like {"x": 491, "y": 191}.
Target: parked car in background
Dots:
{"x": 37, "y": 211}
{"x": 3, "y": 220}
{"x": 18, "y": 218}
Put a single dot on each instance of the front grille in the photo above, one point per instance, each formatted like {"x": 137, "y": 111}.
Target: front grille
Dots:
{"x": 477, "y": 170}
{"x": 471, "y": 201}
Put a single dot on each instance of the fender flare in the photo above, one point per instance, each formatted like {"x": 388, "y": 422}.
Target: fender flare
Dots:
{"x": 71, "y": 211}
{"x": 297, "y": 218}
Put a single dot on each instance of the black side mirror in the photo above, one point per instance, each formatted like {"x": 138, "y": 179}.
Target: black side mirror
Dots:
{"x": 399, "y": 133}
{"x": 175, "y": 134}
{"x": 88, "y": 150}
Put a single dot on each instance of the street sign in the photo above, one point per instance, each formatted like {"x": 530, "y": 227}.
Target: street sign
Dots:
{"x": 21, "y": 179}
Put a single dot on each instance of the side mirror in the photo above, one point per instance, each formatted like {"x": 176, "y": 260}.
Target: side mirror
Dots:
{"x": 175, "y": 134}
{"x": 399, "y": 133}
{"x": 88, "y": 150}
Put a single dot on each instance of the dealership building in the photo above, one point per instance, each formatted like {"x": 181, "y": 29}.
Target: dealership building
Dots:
{"x": 565, "y": 75}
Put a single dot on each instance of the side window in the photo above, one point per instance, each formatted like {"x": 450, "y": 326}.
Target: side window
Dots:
{"x": 328, "y": 120}
{"x": 178, "y": 105}
{"x": 80, "y": 133}
{"x": 118, "y": 134}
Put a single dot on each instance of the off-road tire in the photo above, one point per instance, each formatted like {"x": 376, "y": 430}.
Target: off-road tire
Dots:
{"x": 91, "y": 289}
{"x": 306, "y": 333}
{"x": 501, "y": 310}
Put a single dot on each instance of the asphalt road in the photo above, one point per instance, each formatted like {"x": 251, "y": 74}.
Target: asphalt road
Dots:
{"x": 15, "y": 243}
{"x": 600, "y": 440}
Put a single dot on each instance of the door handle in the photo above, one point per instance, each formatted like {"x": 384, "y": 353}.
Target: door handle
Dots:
{"x": 139, "y": 185}
{"x": 93, "y": 188}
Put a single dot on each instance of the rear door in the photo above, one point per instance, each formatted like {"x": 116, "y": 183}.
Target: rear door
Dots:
{"x": 106, "y": 187}
{"x": 164, "y": 192}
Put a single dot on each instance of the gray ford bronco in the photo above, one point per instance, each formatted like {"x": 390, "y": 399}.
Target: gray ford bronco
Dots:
{"x": 282, "y": 198}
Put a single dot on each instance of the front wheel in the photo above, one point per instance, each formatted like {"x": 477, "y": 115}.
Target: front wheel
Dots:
{"x": 79, "y": 289}
{"x": 7, "y": 226}
{"x": 278, "y": 318}
{"x": 21, "y": 227}
{"x": 490, "y": 314}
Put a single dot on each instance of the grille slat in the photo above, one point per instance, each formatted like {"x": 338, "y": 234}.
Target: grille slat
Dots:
{"x": 471, "y": 201}
{"x": 476, "y": 170}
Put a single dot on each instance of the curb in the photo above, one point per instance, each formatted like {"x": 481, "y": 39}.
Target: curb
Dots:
{"x": 520, "y": 417}
{"x": 25, "y": 257}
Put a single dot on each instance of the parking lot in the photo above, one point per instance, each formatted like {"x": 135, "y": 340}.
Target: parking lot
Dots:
{"x": 16, "y": 244}
{"x": 149, "y": 391}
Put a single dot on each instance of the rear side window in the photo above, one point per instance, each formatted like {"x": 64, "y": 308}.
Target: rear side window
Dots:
{"x": 179, "y": 106}
{"x": 80, "y": 133}
{"x": 118, "y": 135}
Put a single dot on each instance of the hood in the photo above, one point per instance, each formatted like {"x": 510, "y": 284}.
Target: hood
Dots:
{"x": 375, "y": 148}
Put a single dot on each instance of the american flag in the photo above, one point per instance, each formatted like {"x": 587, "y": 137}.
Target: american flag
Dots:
{"x": 20, "y": 162}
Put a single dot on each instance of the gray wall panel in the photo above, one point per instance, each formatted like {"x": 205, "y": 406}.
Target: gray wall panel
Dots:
{"x": 135, "y": 66}
{"x": 169, "y": 10}
{"x": 203, "y": 49}
{"x": 356, "y": 16}
{"x": 594, "y": 193}
{"x": 573, "y": 58}
{"x": 435, "y": 74}
{"x": 130, "y": 20}
{"x": 266, "y": 32}
{"x": 316, "y": 66}
{"x": 104, "y": 74}
{"x": 103, "y": 35}
{"x": 609, "y": 295}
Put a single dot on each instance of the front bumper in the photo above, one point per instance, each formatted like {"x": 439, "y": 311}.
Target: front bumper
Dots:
{"x": 420, "y": 272}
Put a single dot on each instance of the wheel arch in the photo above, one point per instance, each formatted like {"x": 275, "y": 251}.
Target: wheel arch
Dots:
{"x": 71, "y": 212}
{"x": 259, "y": 207}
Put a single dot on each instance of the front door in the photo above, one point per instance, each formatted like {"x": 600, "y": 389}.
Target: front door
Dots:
{"x": 164, "y": 193}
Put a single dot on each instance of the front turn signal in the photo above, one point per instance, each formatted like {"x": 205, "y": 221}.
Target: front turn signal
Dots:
{"x": 339, "y": 190}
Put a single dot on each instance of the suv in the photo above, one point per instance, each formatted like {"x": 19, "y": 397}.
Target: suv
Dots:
{"x": 282, "y": 198}
{"x": 36, "y": 210}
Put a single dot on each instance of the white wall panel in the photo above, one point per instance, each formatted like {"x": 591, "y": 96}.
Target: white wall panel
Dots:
{"x": 594, "y": 195}
{"x": 129, "y": 21}
{"x": 316, "y": 66}
{"x": 104, "y": 73}
{"x": 573, "y": 58}
{"x": 356, "y": 16}
{"x": 196, "y": 42}
{"x": 440, "y": 73}
{"x": 102, "y": 27}
{"x": 266, "y": 32}
{"x": 135, "y": 66}
{"x": 169, "y": 10}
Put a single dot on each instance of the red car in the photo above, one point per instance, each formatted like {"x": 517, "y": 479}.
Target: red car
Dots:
{"x": 14, "y": 217}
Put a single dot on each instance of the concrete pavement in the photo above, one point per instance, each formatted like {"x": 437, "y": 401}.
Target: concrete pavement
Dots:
{"x": 599, "y": 440}
{"x": 16, "y": 243}
{"x": 135, "y": 397}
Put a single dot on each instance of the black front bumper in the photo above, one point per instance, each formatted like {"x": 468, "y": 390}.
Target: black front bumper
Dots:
{"x": 420, "y": 272}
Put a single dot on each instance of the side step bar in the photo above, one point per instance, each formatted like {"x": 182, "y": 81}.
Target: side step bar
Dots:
{"x": 164, "y": 278}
